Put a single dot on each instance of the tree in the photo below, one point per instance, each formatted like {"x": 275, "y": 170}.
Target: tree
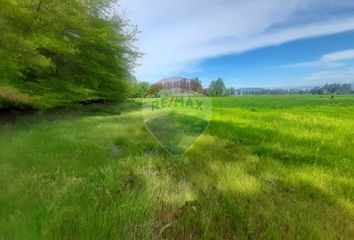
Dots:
{"x": 65, "y": 51}
{"x": 316, "y": 91}
{"x": 231, "y": 91}
{"x": 346, "y": 88}
{"x": 139, "y": 89}
{"x": 217, "y": 88}
{"x": 334, "y": 88}
{"x": 197, "y": 80}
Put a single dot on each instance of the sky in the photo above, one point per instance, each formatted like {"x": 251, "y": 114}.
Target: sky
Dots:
{"x": 248, "y": 43}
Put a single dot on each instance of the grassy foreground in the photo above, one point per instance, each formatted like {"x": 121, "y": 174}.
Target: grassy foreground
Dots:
{"x": 267, "y": 168}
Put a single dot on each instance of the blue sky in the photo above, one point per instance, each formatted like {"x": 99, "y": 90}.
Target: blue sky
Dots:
{"x": 253, "y": 43}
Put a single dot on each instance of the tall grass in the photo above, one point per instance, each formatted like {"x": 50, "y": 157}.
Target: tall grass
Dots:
{"x": 267, "y": 168}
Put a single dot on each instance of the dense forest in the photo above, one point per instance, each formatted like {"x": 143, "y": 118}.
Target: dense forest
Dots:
{"x": 59, "y": 52}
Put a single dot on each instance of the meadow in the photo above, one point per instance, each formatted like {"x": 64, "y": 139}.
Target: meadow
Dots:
{"x": 267, "y": 167}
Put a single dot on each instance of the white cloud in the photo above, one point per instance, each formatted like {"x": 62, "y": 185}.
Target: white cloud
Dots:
{"x": 338, "y": 56}
{"x": 334, "y": 59}
{"x": 338, "y": 76}
{"x": 335, "y": 68}
{"x": 178, "y": 34}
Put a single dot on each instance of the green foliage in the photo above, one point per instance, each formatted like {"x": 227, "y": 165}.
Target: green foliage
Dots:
{"x": 65, "y": 51}
{"x": 217, "y": 88}
{"x": 231, "y": 91}
{"x": 138, "y": 90}
{"x": 333, "y": 88}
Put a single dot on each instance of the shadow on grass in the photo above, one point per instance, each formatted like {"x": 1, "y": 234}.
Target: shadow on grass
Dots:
{"x": 237, "y": 182}
{"x": 176, "y": 132}
{"x": 77, "y": 110}
{"x": 278, "y": 207}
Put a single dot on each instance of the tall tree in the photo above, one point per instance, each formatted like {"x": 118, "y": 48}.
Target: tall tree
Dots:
{"x": 65, "y": 50}
{"x": 138, "y": 90}
{"x": 217, "y": 88}
{"x": 232, "y": 91}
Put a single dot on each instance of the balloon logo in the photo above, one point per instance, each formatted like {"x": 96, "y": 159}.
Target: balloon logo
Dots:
{"x": 176, "y": 112}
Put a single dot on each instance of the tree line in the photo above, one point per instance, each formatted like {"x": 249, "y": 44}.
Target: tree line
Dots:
{"x": 58, "y": 52}
{"x": 218, "y": 88}
{"x": 334, "y": 88}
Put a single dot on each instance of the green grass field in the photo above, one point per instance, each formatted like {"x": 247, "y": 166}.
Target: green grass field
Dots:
{"x": 268, "y": 167}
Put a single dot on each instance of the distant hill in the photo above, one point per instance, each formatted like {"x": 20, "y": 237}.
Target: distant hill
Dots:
{"x": 173, "y": 79}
